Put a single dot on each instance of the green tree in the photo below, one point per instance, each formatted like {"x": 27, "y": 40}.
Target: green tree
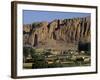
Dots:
{"x": 32, "y": 51}
{"x": 39, "y": 61}
{"x": 47, "y": 53}
{"x": 25, "y": 53}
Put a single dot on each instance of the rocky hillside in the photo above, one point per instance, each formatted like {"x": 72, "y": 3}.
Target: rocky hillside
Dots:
{"x": 57, "y": 32}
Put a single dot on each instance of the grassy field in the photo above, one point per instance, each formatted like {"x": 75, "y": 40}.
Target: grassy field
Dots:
{"x": 27, "y": 65}
{"x": 70, "y": 64}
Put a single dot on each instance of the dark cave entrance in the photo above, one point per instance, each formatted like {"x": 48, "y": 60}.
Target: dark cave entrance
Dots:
{"x": 35, "y": 40}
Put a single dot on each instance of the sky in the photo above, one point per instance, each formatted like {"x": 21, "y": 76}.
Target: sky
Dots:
{"x": 31, "y": 16}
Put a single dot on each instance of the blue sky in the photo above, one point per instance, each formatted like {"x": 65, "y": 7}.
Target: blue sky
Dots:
{"x": 30, "y": 16}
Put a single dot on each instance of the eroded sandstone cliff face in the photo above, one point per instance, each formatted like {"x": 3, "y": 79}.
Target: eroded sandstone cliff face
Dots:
{"x": 58, "y": 31}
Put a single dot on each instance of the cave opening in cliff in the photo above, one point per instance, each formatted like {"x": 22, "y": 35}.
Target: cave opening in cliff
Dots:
{"x": 35, "y": 40}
